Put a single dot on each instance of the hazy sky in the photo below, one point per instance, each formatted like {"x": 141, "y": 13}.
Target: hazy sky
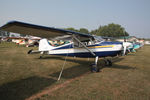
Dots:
{"x": 133, "y": 15}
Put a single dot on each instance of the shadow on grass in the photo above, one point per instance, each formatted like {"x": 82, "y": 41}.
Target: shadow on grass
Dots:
{"x": 25, "y": 88}
{"x": 84, "y": 67}
{"x": 74, "y": 71}
{"x": 121, "y": 67}
{"x": 51, "y": 57}
{"x": 3, "y": 47}
{"x": 22, "y": 89}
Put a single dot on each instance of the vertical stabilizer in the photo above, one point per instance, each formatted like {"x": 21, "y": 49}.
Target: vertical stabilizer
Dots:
{"x": 44, "y": 45}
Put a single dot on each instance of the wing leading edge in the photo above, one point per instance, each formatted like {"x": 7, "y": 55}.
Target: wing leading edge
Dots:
{"x": 37, "y": 30}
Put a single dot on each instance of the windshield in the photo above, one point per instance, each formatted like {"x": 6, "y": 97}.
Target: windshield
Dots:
{"x": 98, "y": 38}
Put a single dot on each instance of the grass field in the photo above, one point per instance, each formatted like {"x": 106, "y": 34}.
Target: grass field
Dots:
{"x": 23, "y": 76}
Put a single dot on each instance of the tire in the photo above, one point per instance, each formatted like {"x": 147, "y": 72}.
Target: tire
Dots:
{"x": 94, "y": 68}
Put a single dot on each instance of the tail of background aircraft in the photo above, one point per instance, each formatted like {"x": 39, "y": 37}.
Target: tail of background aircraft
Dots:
{"x": 44, "y": 45}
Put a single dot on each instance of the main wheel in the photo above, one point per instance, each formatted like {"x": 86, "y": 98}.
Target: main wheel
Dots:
{"x": 94, "y": 68}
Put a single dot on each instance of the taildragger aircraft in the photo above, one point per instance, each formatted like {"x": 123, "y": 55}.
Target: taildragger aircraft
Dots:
{"x": 80, "y": 45}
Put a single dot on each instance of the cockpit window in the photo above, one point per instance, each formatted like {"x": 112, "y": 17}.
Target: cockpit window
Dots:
{"x": 98, "y": 38}
{"x": 60, "y": 40}
{"x": 56, "y": 43}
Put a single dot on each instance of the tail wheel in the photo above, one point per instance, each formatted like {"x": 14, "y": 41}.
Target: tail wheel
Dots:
{"x": 30, "y": 51}
{"x": 40, "y": 57}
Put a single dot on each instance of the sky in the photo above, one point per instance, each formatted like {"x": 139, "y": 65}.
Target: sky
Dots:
{"x": 133, "y": 15}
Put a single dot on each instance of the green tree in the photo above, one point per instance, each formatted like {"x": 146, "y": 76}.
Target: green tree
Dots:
{"x": 83, "y": 30}
{"x": 71, "y": 29}
{"x": 110, "y": 30}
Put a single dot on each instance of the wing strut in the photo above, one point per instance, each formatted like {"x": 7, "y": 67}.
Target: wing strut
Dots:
{"x": 84, "y": 45}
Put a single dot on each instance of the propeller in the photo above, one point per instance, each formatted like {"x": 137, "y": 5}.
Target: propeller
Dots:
{"x": 124, "y": 48}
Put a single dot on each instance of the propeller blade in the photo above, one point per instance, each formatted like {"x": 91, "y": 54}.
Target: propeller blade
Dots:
{"x": 124, "y": 50}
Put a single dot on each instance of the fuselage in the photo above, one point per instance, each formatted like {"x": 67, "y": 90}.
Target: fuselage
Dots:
{"x": 102, "y": 49}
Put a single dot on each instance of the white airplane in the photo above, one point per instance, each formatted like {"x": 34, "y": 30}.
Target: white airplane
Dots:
{"x": 81, "y": 45}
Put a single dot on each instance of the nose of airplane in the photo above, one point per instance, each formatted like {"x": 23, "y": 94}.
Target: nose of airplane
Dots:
{"x": 125, "y": 45}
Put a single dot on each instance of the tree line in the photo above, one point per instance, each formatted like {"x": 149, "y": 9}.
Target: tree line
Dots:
{"x": 110, "y": 30}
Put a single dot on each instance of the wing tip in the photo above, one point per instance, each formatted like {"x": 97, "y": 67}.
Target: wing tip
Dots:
{"x": 8, "y": 23}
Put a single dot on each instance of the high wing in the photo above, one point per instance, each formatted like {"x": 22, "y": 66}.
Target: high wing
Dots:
{"x": 37, "y": 30}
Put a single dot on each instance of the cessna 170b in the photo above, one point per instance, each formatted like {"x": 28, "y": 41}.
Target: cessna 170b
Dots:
{"x": 81, "y": 45}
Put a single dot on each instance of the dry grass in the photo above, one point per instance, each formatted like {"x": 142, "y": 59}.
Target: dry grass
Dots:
{"x": 22, "y": 76}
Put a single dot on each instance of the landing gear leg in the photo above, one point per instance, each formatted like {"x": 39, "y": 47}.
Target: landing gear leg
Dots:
{"x": 94, "y": 67}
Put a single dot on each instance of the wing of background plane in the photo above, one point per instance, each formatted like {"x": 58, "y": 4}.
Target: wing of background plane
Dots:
{"x": 37, "y": 30}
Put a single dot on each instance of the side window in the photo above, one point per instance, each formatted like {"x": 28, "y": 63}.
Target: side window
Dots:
{"x": 78, "y": 45}
{"x": 57, "y": 43}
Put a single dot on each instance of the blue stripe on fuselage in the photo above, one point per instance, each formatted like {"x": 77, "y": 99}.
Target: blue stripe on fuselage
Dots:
{"x": 105, "y": 43}
{"x": 88, "y": 54}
